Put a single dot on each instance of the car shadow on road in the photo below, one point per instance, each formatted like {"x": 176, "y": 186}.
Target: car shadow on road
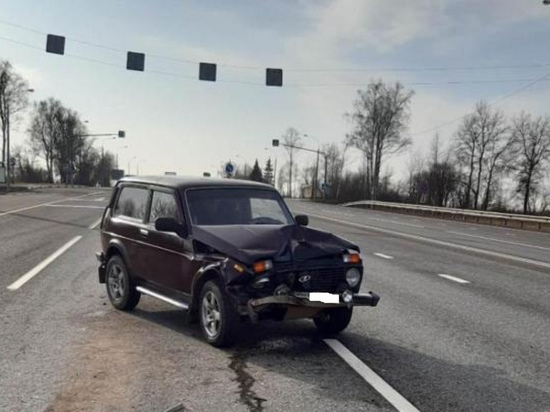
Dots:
{"x": 295, "y": 350}
{"x": 286, "y": 351}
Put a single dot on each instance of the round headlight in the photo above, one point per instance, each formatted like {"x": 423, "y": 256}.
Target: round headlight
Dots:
{"x": 353, "y": 276}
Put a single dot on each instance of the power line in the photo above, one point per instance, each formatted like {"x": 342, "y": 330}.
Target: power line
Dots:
{"x": 293, "y": 85}
{"x": 303, "y": 70}
{"x": 493, "y": 103}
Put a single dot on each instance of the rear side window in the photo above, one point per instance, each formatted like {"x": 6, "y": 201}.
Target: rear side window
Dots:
{"x": 164, "y": 205}
{"x": 132, "y": 202}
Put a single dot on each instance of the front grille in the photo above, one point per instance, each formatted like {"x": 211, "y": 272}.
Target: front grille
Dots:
{"x": 321, "y": 280}
{"x": 325, "y": 279}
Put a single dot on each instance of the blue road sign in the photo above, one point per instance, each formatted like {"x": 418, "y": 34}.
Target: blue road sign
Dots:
{"x": 229, "y": 169}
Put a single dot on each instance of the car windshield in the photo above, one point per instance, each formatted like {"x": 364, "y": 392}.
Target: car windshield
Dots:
{"x": 229, "y": 206}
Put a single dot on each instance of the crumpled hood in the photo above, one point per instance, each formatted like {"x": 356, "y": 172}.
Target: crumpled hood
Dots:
{"x": 249, "y": 243}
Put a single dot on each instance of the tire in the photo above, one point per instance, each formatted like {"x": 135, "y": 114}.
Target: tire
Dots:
{"x": 219, "y": 321}
{"x": 120, "y": 287}
{"x": 333, "y": 320}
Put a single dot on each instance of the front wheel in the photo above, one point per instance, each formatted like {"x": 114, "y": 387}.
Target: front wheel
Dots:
{"x": 120, "y": 288}
{"x": 218, "y": 318}
{"x": 333, "y": 320}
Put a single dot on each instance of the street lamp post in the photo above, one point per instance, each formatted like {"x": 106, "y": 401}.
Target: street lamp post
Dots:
{"x": 318, "y": 151}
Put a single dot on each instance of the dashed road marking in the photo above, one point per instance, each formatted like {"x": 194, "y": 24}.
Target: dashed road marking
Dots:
{"x": 437, "y": 242}
{"x": 383, "y": 256}
{"x": 42, "y": 265}
{"x": 453, "y": 278}
{"x": 379, "y": 384}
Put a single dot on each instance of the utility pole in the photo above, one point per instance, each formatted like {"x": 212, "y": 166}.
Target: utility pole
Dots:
{"x": 325, "y": 182}
{"x": 314, "y": 184}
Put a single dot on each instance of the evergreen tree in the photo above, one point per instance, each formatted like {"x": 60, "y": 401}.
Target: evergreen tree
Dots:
{"x": 256, "y": 174}
{"x": 268, "y": 173}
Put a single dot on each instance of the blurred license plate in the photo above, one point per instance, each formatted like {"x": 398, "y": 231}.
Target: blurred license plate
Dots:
{"x": 324, "y": 297}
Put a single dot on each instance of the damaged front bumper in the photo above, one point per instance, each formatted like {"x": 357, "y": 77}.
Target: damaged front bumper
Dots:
{"x": 307, "y": 305}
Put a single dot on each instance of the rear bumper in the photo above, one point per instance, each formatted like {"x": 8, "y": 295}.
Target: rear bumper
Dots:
{"x": 293, "y": 302}
{"x": 102, "y": 266}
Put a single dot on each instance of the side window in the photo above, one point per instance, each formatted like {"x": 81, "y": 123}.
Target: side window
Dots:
{"x": 132, "y": 202}
{"x": 164, "y": 205}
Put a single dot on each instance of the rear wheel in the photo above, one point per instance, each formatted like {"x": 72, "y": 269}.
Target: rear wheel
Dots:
{"x": 218, "y": 318}
{"x": 333, "y": 320}
{"x": 120, "y": 288}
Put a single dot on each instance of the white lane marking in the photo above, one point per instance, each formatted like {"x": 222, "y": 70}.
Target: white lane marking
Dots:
{"x": 76, "y": 206}
{"x": 383, "y": 256}
{"x": 379, "y": 384}
{"x": 438, "y": 242}
{"x": 94, "y": 225}
{"x": 498, "y": 240}
{"x": 38, "y": 268}
{"x": 453, "y": 278}
{"x": 9, "y": 212}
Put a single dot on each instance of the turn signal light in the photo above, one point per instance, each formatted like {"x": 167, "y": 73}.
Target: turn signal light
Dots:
{"x": 262, "y": 266}
{"x": 352, "y": 258}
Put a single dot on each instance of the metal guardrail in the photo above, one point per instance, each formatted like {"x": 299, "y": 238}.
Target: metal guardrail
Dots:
{"x": 529, "y": 222}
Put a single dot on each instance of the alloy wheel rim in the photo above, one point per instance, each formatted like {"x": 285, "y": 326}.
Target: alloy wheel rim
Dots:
{"x": 116, "y": 283}
{"x": 211, "y": 314}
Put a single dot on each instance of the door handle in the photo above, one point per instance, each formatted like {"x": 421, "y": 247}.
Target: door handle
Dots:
{"x": 144, "y": 232}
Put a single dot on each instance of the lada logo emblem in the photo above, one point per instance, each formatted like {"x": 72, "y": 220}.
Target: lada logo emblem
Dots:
{"x": 304, "y": 278}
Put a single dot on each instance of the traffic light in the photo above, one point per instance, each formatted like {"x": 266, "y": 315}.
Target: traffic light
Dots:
{"x": 275, "y": 142}
{"x": 207, "y": 71}
{"x": 135, "y": 61}
{"x": 121, "y": 134}
{"x": 55, "y": 44}
{"x": 274, "y": 77}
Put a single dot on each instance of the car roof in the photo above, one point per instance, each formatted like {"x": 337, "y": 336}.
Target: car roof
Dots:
{"x": 186, "y": 182}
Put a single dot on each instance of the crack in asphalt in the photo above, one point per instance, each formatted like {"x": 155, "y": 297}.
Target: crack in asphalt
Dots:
{"x": 246, "y": 381}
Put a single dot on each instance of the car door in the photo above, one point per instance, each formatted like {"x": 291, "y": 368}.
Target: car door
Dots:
{"x": 128, "y": 222}
{"x": 167, "y": 258}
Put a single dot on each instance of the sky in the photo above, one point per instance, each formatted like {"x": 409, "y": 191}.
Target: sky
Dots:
{"x": 327, "y": 50}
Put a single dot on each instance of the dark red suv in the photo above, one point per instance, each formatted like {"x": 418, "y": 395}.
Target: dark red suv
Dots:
{"x": 227, "y": 251}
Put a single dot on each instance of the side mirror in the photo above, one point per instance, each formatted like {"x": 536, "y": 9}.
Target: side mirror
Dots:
{"x": 301, "y": 220}
{"x": 169, "y": 224}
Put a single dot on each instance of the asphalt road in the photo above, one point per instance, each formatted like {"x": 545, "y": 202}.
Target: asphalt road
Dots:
{"x": 476, "y": 340}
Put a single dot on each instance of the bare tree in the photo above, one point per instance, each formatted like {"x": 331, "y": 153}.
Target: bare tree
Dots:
{"x": 532, "y": 143}
{"x": 497, "y": 159}
{"x": 480, "y": 135}
{"x": 380, "y": 117}
{"x": 466, "y": 151}
{"x": 45, "y": 131}
{"x": 13, "y": 99}
{"x": 291, "y": 138}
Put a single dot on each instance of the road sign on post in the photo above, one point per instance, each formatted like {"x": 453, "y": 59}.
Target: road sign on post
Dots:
{"x": 229, "y": 169}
